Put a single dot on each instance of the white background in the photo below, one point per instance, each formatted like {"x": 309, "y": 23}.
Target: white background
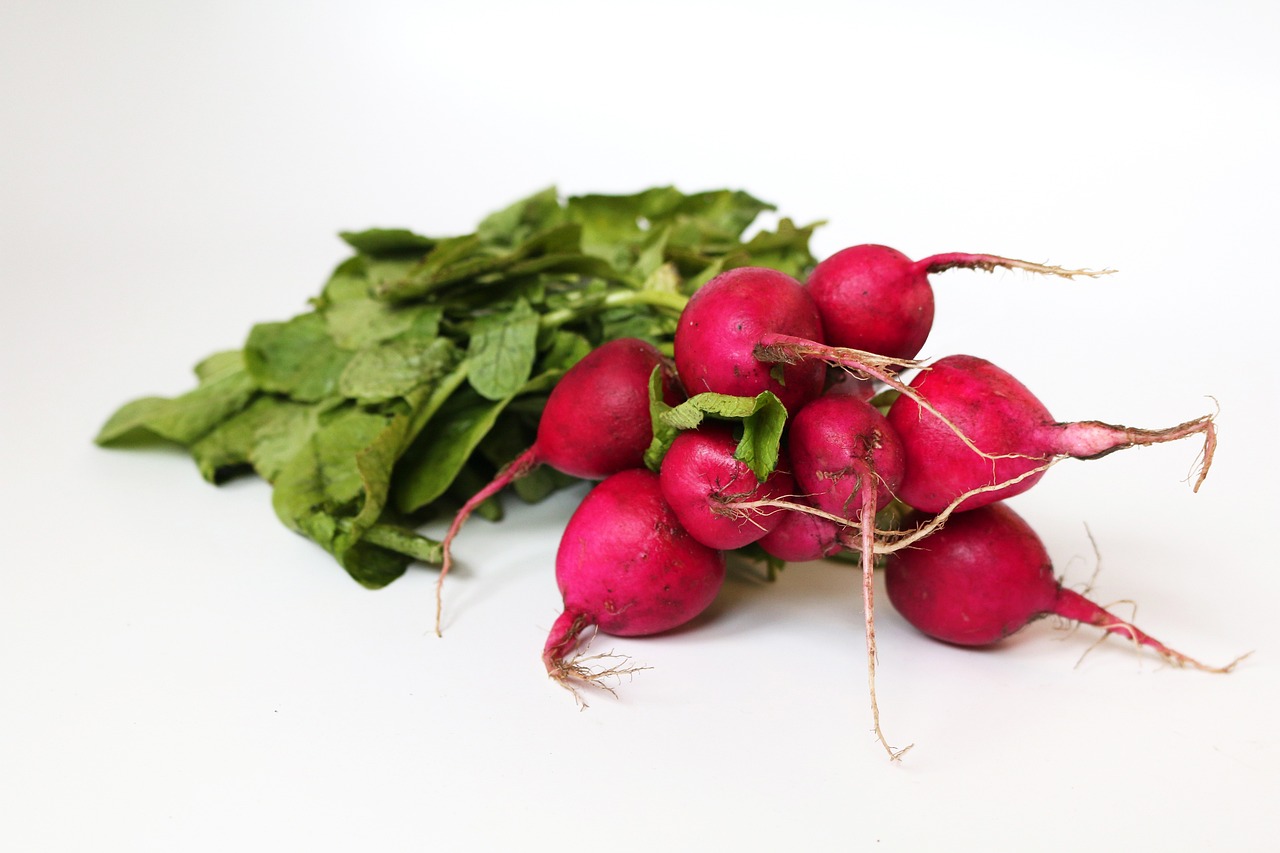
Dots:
{"x": 178, "y": 671}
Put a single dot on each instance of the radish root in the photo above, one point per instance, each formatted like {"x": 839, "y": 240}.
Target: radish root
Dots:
{"x": 602, "y": 671}
{"x": 990, "y": 263}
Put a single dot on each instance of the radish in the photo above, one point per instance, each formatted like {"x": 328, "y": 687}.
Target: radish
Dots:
{"x": 704, "y": 482}
{"x": 840, "y": 444}
{"x": 721, "y": 327}
{"x": 986, "y": 575}
{"x": 800, "y": 536}
{"x": 877, "y": 299}
{"x": 842, "y": 382}
{"x": 627, "y": 566}
{"x": 981, "y": 427}
{"x": 849, "y": 462}
{"x": 595, "y": 423}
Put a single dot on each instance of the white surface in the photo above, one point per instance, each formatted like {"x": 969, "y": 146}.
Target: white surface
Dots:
{"x": 180, "y": 672}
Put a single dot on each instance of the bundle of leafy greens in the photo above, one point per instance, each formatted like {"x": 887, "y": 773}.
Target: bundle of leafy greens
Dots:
{"x": 424, "y": 363}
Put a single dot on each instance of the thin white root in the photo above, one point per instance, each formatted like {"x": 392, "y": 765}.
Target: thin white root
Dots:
{"x": 787, "y": 349}
{"x": 909, "y": 538}
{"x": 590, "y": 670}
{"x": 868, "y": 609}
{"x": 886, "y": 541}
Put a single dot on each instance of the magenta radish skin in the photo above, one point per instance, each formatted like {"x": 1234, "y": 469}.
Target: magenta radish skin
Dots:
{"x": 836, "y": 445}
{"x": 702, "y": 481}
{"x": 723, "y": 323}
{"x": 1002, "y": 418}
{"x": 595, "y": 423}
{"x": 843, "y": 383}
{"x": 626, "y": 565}
{"x": 876, "y": 299}
{"x": 873, "y": 298}
{"x": 986, "y": 575}
{"x": 800, "y": 537}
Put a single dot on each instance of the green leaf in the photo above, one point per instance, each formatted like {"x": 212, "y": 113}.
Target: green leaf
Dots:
{"x": 717, "y": 215}
{"x": 334, "y": 490}
{"x": 393, "y": 369}
{"x": 514, "y": 224}
{"x": 786, "y": 249}
{"x": 664, "y": 279}
{"x": 431, "y": 465}
{"x": 502, "y": 350}
{"x": 614, "y": 226}
{"x": 433, "y": 461}
{"x": 763, "y": 418}
{"x": 663, "y": 433}
{"x": 280, "y": 437}
{"x": 402, "y": 540}
{"x": 229, "y": 446}
{"x": 563, "y": 350}
{"x": 374, "y": 567}
{"x": 323, "y": 475}
{"x": 471, "y": 479}
{"x": 388, "y": 242}
{"x": 555, "y": 250}
{"x": 297, "y": 358}
{"x": 220, "y": 365}
{"x": 762, "y": 436}
{"x": 224, "y": 390}
{"x": 357, "y": 323}
{"x": 410, "y": 281}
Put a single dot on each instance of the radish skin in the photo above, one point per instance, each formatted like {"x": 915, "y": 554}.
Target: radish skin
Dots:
{"x": 595, "y": 423}
{"x": 704, "y": 482}
{"x": 720, "y": 328}
{"x": 985, "y": 576}
{"x": 877, "y": 299}
{"x": 978, "y": 426}
{"x": 628, "y": 567}
{"x": 800, "y": 536}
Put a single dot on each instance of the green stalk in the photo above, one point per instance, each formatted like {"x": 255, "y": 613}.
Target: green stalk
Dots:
{"x": 673, "y": 302}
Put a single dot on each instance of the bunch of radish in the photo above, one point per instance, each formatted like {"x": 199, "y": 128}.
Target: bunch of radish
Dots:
{"x": 645, "y": 551}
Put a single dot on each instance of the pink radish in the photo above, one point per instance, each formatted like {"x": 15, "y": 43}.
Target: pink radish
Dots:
{"x": 627, "y": 566}
{"x": 843, "y": 383}
{"x": 848, "y": 461}
{"x": 799, "y": 537}
{"x": 704, "y": 483}
{"x": 721, "y": 327}
{"x": 595, "y": 423}
{"x": 1010, "y": 434}
{"x": 986, "y": 575}
{"x": 839, "y": 444}
{"x": 877, "y": 299}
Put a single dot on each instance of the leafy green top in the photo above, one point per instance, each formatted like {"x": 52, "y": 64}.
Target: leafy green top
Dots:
{"x": 423, "y": 363}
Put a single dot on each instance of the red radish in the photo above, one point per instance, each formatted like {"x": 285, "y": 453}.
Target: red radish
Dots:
{"x": 627, "y": 566}
{"x": 843, "y": 383}
{"x": 753, "y": 329}
{"x": 838, "y": 444}
{"x": 849, "y": 462}
{"x": 1010, "y": 434}
{"x": 721, "y": 327}
{"x": 799, "y": 537}
{"x": 986, "y": 575}
{"x": 595, "y": 423}
{"x": 877, "y": 299}
{"x": 704, "y": 482}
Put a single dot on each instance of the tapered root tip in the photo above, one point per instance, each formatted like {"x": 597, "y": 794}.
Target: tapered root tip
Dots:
{"x": 1184, "y": 661}
{"x": 601, "y": 671}
{"x": 990, "y": 263}
{"x": 896, "y": 754}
